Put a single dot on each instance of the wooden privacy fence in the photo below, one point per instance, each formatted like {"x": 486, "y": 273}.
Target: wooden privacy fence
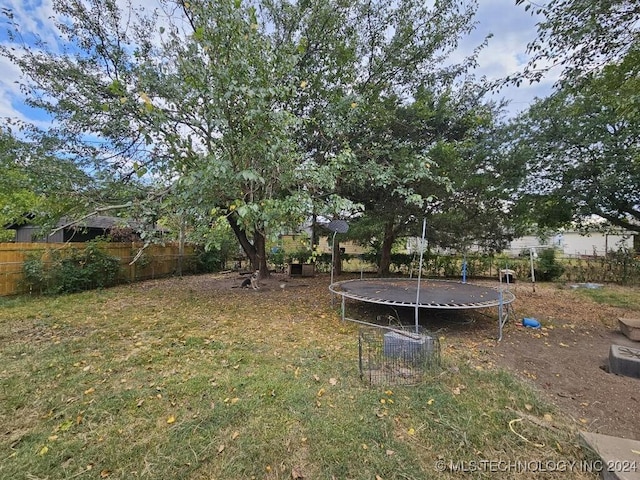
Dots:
{"x": 155, "y": 261}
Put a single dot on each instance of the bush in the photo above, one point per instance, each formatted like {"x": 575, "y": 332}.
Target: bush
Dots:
{"x": 208, "y": 261}
{"x": 548, "y": 268}
{"x": 71, "y": 271}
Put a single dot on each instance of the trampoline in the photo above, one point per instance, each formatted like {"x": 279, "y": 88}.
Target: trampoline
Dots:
{"x": 433, "y": 294}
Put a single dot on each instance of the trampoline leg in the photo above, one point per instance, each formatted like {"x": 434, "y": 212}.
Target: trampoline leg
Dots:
{"x": 342, "y": 308}
{"x": 500, "y": 320}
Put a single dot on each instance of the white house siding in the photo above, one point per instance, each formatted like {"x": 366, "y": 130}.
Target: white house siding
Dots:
{"x": 574, "y": 244}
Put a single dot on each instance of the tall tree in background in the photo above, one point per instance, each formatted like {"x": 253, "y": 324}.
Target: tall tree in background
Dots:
{"x": 582, "y": 158}
{"x": 580, "y": 146}
{"x": 36, "y": 187}
{"x": 379, "y": 91}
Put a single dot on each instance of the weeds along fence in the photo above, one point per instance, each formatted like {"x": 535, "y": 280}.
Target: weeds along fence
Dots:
{"x": 155, "y": 261}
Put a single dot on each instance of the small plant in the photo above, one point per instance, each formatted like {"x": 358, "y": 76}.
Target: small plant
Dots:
{"x": 276, "y": 258}
{"x": 303, "y": 255}
{"x": 548, "y": 268}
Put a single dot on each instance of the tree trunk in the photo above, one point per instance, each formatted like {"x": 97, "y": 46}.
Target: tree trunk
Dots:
{"x": 181, "y": 242}
{"x": 259, "y": 261}
{"x": 256, "y": 251}
{"x": 385, "y": 250}
{"x": 337, "y": 260}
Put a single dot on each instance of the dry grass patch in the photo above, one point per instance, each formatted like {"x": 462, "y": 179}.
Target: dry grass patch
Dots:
{"x": 191, "y": 379}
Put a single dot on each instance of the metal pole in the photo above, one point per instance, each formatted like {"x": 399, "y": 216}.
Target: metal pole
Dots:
{"x": 424, "y": 231}
{"x": 333, "y": 244}
{"x": 464, "y": 269}
{"x": 533, "y": 274}
{"x": 500, "y": 314}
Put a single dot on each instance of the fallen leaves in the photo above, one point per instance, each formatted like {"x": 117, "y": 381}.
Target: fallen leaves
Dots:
{"x": 65, "y": 426}
{"x": 457, "y": 390}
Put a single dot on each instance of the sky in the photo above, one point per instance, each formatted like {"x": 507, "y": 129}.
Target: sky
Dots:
{"x": 511, "y": 26}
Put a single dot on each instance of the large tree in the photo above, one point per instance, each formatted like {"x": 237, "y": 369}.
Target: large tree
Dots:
{"x": 580, "y": 146}
{"x": 194, "y": 102}
{"x": 581, "y": 38}
{"x": 380, "y": 86}
{"x": 582, "y": 158}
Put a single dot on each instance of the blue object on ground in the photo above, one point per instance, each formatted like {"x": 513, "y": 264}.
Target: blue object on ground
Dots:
{"x": 530, "y": 322}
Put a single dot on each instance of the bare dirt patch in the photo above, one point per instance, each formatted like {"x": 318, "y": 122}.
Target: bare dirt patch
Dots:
{"x": 568, "y": 359}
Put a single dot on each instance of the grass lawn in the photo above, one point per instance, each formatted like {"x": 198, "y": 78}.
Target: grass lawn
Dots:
{"x": 175, "y": 379}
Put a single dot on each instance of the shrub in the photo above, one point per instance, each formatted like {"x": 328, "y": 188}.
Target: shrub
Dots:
{"x": 548, "y": 268}
{"x": 208, "y": 261}
{"x": 71, "y": 271}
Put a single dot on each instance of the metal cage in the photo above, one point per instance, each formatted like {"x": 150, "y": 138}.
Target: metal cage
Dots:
{"x": 397, "y": 356}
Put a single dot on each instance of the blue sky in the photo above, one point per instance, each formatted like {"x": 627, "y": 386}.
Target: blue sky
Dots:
{"x": 511, "y": 26}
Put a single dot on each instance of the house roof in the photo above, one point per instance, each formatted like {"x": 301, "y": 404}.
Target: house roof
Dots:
{"x": 101, "y": 222}
{"x": 98, "y": 221}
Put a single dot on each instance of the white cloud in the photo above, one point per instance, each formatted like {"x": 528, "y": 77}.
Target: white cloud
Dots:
{"x": 513, "y": 29}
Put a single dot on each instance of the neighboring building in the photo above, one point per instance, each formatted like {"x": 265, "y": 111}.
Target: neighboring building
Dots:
{"x": 293, "y": 243}
{"x": 566, "y": 243}
{"x": 89, "y": 229}
{"x": 574, "y": 244}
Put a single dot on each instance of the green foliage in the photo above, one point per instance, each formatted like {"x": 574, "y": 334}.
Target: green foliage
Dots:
{"x": 582, "y": 36}
{"x": 277, "y": 257}
{"x": 33, "y": 182}
{"x": 622, "y": 267}
{"x": 548, "y": 268}
{"x": 262, "y": 112}
{"x": 71, "y": 271}
{"x": 580, "y": 145}
{"x": 212, "y": 260}
{"x": 302, "y": 255}
{"x": 581, "y": 158}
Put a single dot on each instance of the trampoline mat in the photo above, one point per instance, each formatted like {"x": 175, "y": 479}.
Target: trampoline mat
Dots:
{"x": 433, "y": 293}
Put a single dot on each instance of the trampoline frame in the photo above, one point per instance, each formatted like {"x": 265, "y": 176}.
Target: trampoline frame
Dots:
{"x": 503, "y": 301}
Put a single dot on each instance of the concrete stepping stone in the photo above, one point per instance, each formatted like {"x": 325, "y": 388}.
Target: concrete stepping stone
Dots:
{"x": 630, "y": 327}
{"x": 624, "y": 360}
{"x": 620, "y": 457}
